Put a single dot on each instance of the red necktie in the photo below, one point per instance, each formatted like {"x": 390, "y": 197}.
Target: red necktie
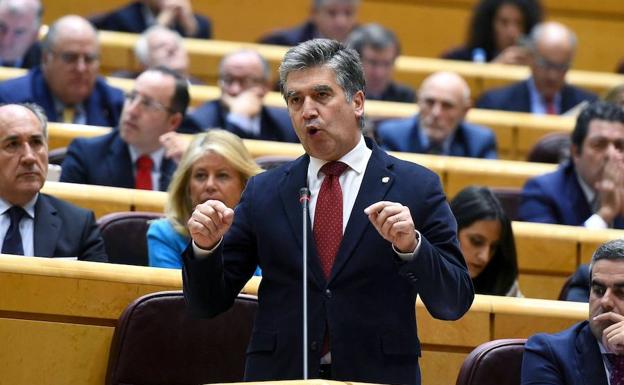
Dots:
{"x": 144, "y": 167}
{"x": 617, "y": 369}
{"x": 550, "y": 108}
{"x": 328, "y": 216}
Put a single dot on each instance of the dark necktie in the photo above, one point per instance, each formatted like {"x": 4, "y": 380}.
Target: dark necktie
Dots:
{"x": 435, "y": 148}
{"x": 13, "y": 239}
{"x": 328, "y": 216}
{"x": 617, "y": 369}
{"x": 144, "y": 165}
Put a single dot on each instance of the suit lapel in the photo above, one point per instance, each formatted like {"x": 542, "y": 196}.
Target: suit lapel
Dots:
{"x": 378, "y": 178}
{"x": 47, "y": 227}
{"x": 589, "y": 359}
{"x": 414, "y": 138}
{"x": 119, "y": 164}
{"x": 167, "y": 168}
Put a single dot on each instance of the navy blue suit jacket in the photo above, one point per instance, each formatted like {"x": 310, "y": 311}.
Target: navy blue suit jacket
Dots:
{"x": 516, "y": 97}
{"x": 404, "y": 135}
{"x": 557, "y": 197}
{"x": 102, "y": 107}
{"x": 130, "y": 19}
{"x": 368, "y": 301}
{"x": 571, "y": 357}
{"x": 64, "y": 230}
{"x": 291, "y": 36}
{"x": 578, "y": 289}
{"x": 105, "y": 160}
{"x": 275, "y": 124}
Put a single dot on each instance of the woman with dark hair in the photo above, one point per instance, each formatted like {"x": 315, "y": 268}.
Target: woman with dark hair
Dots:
{"x": 497, "y": 31}
{"x": 487, "y": 242}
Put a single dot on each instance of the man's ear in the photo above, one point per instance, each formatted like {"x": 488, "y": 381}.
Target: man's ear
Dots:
{"x": 175, "y": 120}
{"x": 358, "y": 103}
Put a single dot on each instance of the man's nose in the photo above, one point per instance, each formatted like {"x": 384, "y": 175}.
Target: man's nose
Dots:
{"x": 309, "y": 109}
{"x": 606, "y": 302}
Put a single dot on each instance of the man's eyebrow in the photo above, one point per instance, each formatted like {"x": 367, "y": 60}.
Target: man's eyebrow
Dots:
{"x": 322, "y": 87}
{"x": 291, "y": 93}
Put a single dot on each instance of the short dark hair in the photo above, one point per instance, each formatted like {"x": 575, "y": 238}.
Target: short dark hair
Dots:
{"x": 598, "y": 110}
{"x": 181, "y": 97}
{"x": 375, "y": 36}
{"x": 474, "y": 204}
{"x": 612, "y": 250}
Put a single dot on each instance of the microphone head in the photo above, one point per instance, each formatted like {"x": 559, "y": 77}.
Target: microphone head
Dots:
{"x": 304, "y": 194}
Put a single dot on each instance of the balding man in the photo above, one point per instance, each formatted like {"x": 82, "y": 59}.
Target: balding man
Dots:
{"x": 19, "y": 26}
{"x": 439, "y": 128}
{"x": 331, "y": 19}
{"x": 66, "y": 84}
{"x": 552, "y": 47}
{"x": 33, "y": 223}
{"x": 244, "y": 80}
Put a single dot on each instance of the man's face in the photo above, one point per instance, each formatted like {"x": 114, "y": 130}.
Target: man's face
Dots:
{"x": 443, "y": 106}
{"x": 325, "y": 122}
{"x": 378, "y": 65}
{"x": 240, "y": 72}
{"x": 549, "y": 66}
{"x": 604, "y": 142}
{"x": 165, "y": 50}
{"x": 146, "y": 113}
{"x": 607, "y": 293}
{"x": 335, "y": 19}
{"x": 23, "y": 154}
{"x": 18, "y": 31}
{"x": 72, "y": 66}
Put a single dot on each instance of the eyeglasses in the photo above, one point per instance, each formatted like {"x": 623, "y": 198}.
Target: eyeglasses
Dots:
{"x": 146, "y": 103}
{"x": 244, "y": 82}
{"x": 548, "y": 65}
{"x": 73, "y": 57}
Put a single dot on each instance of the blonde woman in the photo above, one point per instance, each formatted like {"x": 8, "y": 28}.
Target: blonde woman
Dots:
{"x": 216, "y": 165}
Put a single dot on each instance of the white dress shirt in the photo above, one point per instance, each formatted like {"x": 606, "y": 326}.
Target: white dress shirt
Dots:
{"x": 26, "y": 226}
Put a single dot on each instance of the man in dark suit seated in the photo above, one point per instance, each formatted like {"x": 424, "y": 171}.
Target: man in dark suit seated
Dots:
{"x": 378, "y": 48}
{"x": 244, "y": 80}
{"x": 133, "y": 156}
{"x": 330, "y": 19}
{"x": 590, "y": 352}
{"x": 381, "y": 234}
{"x": 67, "y": 85}
{"x": 588, "y": 190}
{"x": 552, "y": 48}
{"x": 439, "y": 128}
{"x": 19, "y": 28}
{"x": 140, "y": 15}
{"x": 33, "y": 223}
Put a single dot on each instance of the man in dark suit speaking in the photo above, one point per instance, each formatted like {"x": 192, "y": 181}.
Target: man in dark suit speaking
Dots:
{"x": 382, "y": 234}
{"x": 32, "y": 223}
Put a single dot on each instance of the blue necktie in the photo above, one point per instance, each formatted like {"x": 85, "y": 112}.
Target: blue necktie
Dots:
{"x": 13, "y": 239}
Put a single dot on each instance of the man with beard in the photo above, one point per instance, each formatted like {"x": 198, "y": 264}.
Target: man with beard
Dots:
{"x": 66, "y": 85}
{"x": 591, "y": 351}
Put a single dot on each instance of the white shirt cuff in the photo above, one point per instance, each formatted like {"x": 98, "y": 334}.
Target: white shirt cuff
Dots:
{"x": 409, "y": 256}
{"x": 596, "y": 222}
{"x": 200, "y": 253}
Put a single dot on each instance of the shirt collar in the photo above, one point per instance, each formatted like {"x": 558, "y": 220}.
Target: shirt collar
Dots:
{"x": 29, "y": 207}
{"x": 157, "y": 156}
{"x": 537, "y": 100}
{"x": 356, "y": 159}
{"x": 589, "y": 192}
{"x": 425, "y": 142}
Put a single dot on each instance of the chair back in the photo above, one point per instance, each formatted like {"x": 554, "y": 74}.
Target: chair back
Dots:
{"x": 552, "y": 148}
{"x": 497, "y": 362}
{"x": 125, "y": 236}
{"x": 156, "y": 342}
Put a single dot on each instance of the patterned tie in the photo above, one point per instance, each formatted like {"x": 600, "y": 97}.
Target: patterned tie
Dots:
{"x": 617, "y": 369}
{"x": 13, "y": 239}
{"x": 328, "y": 216}
{"x": 144, "y": 165}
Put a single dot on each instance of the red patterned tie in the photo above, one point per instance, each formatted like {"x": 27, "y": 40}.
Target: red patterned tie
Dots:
{"x": 328, "y": 216}
{"x": 144, "y": 167}
{"x": 617, "y": 369}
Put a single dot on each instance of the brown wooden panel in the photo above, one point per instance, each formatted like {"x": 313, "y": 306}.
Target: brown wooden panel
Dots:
{"x": 544, "y": 247}
{"x": 440, "y": 367}
{"x": 541, "y": 286}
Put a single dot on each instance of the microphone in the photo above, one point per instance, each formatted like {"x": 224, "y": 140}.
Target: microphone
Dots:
{"x": 304, "y": 199}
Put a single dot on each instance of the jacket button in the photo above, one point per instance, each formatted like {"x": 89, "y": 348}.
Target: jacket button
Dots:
{"x": 328, "y": 293}
{"x": 313, "y": 346}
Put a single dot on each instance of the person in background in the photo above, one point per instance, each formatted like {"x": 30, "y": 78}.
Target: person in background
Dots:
{"x": 378, "y": 48}
{"x": 216, "y": 165}
{"x": 487, "y": 242}
{"x": 616, "y": 95}
{"x": 496, "y": 32}
{"x": 139, "y": 15}
{"x": 19, "y": 33}
{"x": 329, "y": 19}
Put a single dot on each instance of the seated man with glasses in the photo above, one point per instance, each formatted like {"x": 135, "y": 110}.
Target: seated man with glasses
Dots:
{"x": 244, "y": 80}
{"x": 133, "y": 156}
{"x": 552, "y": 47}
{"x": 588, "y": 190}
{"x": 67, "y": 84}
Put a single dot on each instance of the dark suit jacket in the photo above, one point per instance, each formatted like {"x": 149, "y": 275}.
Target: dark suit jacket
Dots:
{"x": 31, "y": 58}
{"x": 368, "y": 302}
{"x": 557, "y": 197}
{"x": 291, "y": 36}
{"x": 64, "y": 230}
{"x": 102, "y": 107}
{"x": 396, "y": 93}
{"x": 105, "y": 160}
{"x": 130, "y": 19}
{"x": 404, "y": 135}
{"x": 571, "y": 357}
{"x": 578, "y": 289}
{"x": 516, "y": 97}
{"x": 275, "y": 123}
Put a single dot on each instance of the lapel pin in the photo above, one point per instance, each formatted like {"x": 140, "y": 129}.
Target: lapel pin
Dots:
{"x": 385, "y": 179}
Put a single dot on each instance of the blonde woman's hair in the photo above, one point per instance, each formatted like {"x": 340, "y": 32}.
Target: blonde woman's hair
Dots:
{"x": 220, "y": 142}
